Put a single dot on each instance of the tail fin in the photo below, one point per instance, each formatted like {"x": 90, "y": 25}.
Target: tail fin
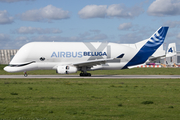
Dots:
{"x": 171, "y": 51}
{"x": 152, "y": 44}
{"x": 157, "y": 38}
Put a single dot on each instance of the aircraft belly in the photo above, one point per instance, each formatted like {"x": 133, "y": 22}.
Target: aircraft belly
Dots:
{"x": 46, "y": 65}
{"x": 109, "y": 66}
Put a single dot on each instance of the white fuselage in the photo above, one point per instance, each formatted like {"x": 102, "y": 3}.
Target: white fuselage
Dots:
{"x": 49, "y": 55}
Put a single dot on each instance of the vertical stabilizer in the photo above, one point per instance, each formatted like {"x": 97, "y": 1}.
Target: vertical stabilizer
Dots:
{"x": 152, "y": 44}
{"x": 171, "y": 51}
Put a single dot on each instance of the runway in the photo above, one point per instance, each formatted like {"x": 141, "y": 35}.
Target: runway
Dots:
{"x": 95, "y": 76}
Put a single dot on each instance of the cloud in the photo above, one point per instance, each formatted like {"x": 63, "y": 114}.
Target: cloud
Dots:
{"x": 172, "y": 24}
{"x": 15, "y": 42}
{"x": 121, "y": 11}
{"x": 98, "y": 37}
{"x": 93, "y": 11}
{"x": 5, "y": 18}
{"x": 93, "y": 35}
{"x": 136, "y": 35}
{"x": 33, "y": 30}
{"x": 130, "y": 38}
{"x": 125, "y": 26}
{"x": 178, "y": 36}
{"x": 115, "y": 10}
{"x": 4, "y": 37}
{"x": 47, "y": 13}
{"x": 22, "y": 38}
{"x": 9, "y": 1}
{"x": 85, "y": 34}
{"x": 95, "y": 31}
{"x": 164, "y": 8}
{"x": 81, "y": 37}
{"x": 55, "y": 38}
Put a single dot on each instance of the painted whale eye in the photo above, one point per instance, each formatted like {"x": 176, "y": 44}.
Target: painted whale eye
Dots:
{"x": 42, "y": 58}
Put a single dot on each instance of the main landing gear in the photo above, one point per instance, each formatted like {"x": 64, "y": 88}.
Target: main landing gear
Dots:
{"x": 84, "y": 71}
{"x": 85, "y": 74}
{"x": 25, "y": 74}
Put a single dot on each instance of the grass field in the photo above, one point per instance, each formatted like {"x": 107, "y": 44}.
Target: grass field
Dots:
{"x": 63, "y": 99}
{"x": 81, "y": 99}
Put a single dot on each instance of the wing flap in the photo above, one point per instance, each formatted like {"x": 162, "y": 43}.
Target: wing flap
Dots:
{"x": 92, "y": 63}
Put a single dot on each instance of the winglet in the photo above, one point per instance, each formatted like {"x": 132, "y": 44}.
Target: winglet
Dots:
{"x": 120, "y": 56}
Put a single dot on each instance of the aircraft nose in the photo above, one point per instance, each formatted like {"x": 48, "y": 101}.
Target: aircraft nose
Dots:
{"x": 6, "y": 68}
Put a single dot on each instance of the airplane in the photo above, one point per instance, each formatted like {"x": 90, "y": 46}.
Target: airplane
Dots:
{"x": 171, "y": 51}
{"x": 70, "y": 57}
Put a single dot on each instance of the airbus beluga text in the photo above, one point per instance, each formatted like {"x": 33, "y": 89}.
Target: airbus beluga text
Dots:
{"x": 70, "y": 57}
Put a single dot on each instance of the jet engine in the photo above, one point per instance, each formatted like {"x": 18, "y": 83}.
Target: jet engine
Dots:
{"x": 66, "y": 69}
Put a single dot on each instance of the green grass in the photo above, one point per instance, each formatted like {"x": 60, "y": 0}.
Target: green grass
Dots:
{"x": 134, "y": 71}
{"x": 64, "y": 99}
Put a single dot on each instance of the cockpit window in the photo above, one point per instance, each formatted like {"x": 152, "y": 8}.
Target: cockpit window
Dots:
{"x": 20, "y": 65}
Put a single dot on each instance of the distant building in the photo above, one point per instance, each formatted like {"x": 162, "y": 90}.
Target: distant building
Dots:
{"x": 174, "y": 59}
{"x": 178, "y": 58}
{"x": 6, "y": 56}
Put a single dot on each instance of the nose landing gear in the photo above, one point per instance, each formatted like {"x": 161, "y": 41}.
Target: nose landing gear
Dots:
{"x": 25, "y": 74}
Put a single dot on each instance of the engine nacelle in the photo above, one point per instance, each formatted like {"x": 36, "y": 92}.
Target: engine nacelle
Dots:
{"x": 66, "y": 69}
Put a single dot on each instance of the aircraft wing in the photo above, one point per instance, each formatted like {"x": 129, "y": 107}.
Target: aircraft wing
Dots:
{"x": 170, "y": 54}
{"x": 92, "y": 63}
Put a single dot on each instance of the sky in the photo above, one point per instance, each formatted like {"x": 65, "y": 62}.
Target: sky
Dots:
{"x": 118, "y": 21}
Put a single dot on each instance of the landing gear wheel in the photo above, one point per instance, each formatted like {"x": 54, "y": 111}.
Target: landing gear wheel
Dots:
{"x": 25, "y": 75}
{"x": 88, "y": 74}
{"x": 85, "y": 74}
{"x": 81, "y": 74}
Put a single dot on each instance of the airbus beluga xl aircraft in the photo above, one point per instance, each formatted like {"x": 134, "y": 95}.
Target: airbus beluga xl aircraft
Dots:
{"x": 70, "y": 57}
